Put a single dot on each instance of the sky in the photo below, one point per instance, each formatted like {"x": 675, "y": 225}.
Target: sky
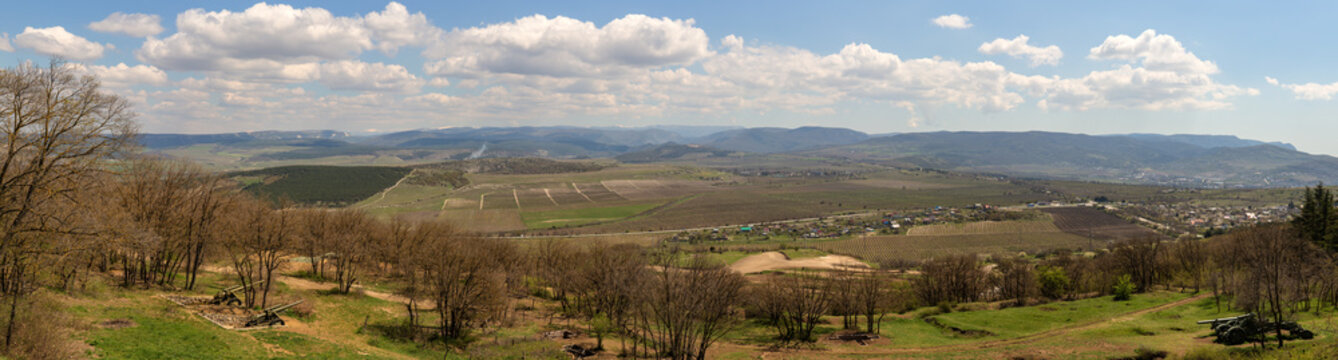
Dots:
{"x": 1255, "y": 70}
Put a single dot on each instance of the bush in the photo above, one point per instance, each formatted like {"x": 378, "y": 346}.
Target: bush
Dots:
{"x": 1054, "y": 282}
{"x": 1124, "y": 288}
{"x": 944, "y": 307}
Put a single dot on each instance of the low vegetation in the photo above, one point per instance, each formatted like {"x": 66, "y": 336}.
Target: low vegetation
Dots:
{"x": 322, "y": 185}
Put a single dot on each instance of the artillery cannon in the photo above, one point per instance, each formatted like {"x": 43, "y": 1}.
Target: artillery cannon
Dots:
{"x": 1237, "y": 330}
{"x": 228, "y": 295}
{"x": 270, "y": 316}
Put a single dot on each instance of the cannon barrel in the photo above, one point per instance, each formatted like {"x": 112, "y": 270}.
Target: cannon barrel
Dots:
{"x": 236, "y": 288}
{"x": 281, "y": 308}
{"x": 1224, "y": 319}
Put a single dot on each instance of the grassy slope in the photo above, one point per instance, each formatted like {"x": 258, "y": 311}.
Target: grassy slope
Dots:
{"x": 334, "y": 185}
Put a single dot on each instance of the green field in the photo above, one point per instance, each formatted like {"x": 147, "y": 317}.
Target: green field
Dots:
{"x": 581, "y": 216}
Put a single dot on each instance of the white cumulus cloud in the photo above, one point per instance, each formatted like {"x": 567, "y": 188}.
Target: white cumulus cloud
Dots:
{"x": 357, "y": 75}
{"x": 137, "y": 25}
{"x": 1308, "y": 91}
{"x": 1157, "y": 52}
{"x": 953, "y": 21}
{"x": 1019, "y": 48}
{"x": 1158, "y": 74}
{"x": 55, "y": 41}
{"x": 122, "y": 75}
{"x": 4, "y": 43}
{"x": 262, "y": 35}
{"x": 566, "y": 47}
{"x": 395, "y": 27}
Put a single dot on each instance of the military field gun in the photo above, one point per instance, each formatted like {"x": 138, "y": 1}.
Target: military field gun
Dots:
{"x": 270, "y": 316}
{"x": 228, "y": 295}
{"x": 1237, "y": 330}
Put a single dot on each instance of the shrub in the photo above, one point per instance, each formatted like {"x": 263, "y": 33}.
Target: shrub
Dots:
{"x": 1124, "y": 287}
{"x": 1054, "y": 282}
{"x": 944, "y": 307}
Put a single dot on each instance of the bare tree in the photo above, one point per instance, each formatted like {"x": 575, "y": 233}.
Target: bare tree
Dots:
{"x": 953, "y": 278}
{"x": 1016, "y": 280}
{"x": 1140, "y": 258}
{"x": 1190, "y": 259}
{"x": 352, "y": 239}
{"x": 793, "y": 306}
{"x": 57, "y": 129}
{"x": 1274, "y": 261}
{"x": 260, "y": 238}
{"x": 684, "y": 310}
{"x": 610, "y": 278}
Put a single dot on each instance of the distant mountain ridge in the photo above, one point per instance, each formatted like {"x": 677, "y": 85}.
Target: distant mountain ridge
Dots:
{"x": 1210, "y": 141}
{"x": 1181, "y": 159}
{"x": 156, "y": 141}
{"x": 775, "y": 140}
{"x": 1200, "y": 161}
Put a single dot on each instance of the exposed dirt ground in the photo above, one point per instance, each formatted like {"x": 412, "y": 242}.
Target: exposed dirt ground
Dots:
{"x": 775, "y": 260}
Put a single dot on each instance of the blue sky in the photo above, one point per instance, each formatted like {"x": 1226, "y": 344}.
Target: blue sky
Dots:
{"x": 1110, "y": 67}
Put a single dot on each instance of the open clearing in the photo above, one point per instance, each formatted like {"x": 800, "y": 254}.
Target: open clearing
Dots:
{"x": 775, "y": 260}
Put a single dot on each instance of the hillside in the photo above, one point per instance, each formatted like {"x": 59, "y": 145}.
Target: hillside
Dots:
{"x": 1139, "y": 159}
{"x": 773, "y": 140}
{"x": 516, "y": 166}
{"x": 1174, "y": 160}
{"x": 159, "y": 141}
{"x": 670, "y": 152}
{"x": 320, "y": 185}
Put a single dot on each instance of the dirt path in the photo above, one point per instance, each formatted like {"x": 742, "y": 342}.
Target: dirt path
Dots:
{"x": 308, "y": 285}
{"x": 550, "y": 197}
{"x": 775, "y": 260}
{"x": 516, "y": 196}
{"x": 480, "y": 200}
{"x": 1026, "y": 339}
{"x": 392, "y": 187}
{"x": 578, "y": 191}
{"x": 304, "y": 284}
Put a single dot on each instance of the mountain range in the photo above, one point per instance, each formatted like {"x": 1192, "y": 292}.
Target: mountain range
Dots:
{"x": 1182, "y": 159}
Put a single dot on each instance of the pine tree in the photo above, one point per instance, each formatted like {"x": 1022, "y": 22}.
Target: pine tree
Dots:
{"x": 1318, "y": 221}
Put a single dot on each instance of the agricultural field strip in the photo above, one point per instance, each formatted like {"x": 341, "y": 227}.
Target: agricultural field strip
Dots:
{"x": 578, "y": 191}
{"x": 672, "y": 231}
{"x": 1025, "y": 339}
{"x": 550, "y": 197}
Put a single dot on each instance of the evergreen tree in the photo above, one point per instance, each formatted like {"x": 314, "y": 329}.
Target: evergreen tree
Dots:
{"x": 1318, "y": 221}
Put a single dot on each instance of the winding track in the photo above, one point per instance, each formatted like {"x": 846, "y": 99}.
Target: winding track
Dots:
{"x": 1027, "y": 339}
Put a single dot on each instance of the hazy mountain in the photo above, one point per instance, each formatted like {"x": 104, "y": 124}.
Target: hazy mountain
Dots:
{"x": 159, "y": 141}
{"x": 772, "y": 140}
{"x": 1209, "y": 141}
{"x": 1188, "y": 160}
{"x": 1176, "y": 160}
{"x": 670, "y": 152}
{"x": 595, "y": 138}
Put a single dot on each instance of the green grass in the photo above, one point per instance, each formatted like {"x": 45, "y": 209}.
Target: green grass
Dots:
{"x": 1019, "y": 321}
{"x": 582, "y": 216}
{"x": 169, "y": 335}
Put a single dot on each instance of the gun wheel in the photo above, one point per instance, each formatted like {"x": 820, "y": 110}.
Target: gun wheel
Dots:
{"x": 234, "y": 302}
{"x": 281, "y": 323}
